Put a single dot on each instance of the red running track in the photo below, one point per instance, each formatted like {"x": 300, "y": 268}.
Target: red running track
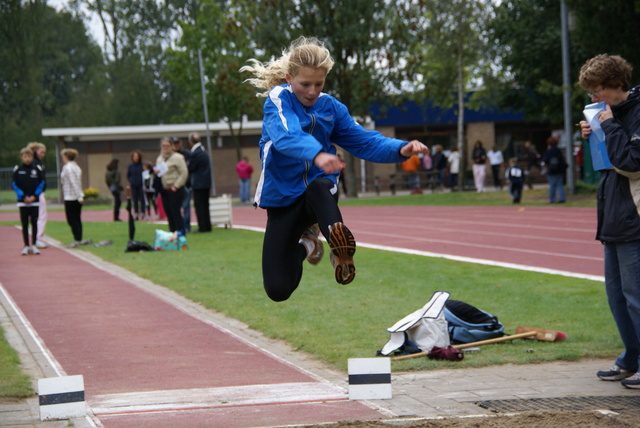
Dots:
{"x": 551, "y": 239}
{"x": 149, "y": 363}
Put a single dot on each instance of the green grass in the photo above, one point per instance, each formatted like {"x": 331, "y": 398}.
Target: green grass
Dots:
{"x": 13, "y": 382}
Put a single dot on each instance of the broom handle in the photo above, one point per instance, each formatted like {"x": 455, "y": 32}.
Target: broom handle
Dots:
{"x": 472, "y": 344}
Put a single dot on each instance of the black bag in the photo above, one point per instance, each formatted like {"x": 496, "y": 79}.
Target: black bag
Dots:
{"x": 470, "y": 324}
{"x": 135, "y": 246}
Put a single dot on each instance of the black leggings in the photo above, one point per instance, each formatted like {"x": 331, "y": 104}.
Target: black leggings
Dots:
{"x": 26, "y": 214}
{"x": 73, "y": 212}
{"x": 282, "y": 255}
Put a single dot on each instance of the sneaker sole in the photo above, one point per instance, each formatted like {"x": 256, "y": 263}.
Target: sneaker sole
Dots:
{"x": 614, "y": 378}
{"x": 343, "y": 247}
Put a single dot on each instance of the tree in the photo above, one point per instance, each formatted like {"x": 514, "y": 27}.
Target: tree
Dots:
{"x": 47, "y": 76}
{"x": 137, "y": 33}
{"x": 219, "y": 32}
{"x": 454, "y": 55}
{"x": 527, "y": 35}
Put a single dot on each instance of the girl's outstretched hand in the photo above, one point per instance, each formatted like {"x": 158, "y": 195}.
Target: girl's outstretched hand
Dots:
{"x": 328, "y": 163}
{"x": 413, "y": 147}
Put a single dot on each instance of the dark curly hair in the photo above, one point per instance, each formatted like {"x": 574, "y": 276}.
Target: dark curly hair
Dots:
{"x": 609, "y": 71}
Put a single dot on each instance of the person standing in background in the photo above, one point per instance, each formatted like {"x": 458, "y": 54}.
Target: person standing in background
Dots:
{"x": 454, "y": 167}
{"x": 533, "y": 160}
{"x": 554, "y": 163}
{"x": 172, "y": 170}
{"x": 199, "y": 167}
{"x": 150, "y": 193}
{"x": 515, "y": 177}
{"x": 244, "y": 170}
{"x": 479, "y": 156}
{"x": 134, "y": 176}
{"x": 113, "y": 179}
{"x": 28, "y": 183}
{"x": 39, "y": 153}
{"x": 186, "y": 196}
{"x": 71, "y": 181}
{"x": 496, "y": 160}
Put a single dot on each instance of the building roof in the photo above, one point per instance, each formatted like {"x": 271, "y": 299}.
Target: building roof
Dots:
{"x": 253, "y": 127}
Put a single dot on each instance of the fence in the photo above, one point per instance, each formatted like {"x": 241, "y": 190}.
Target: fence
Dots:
{"x": 7, "y": 195}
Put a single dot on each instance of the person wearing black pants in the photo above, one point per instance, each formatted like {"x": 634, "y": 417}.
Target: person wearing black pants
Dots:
{"x": 298, "y": 183}
{"x": 172, "y": 202}
{"x": 282, "y": 253}
{"x": 73, "y": 213}
{"x": 71, "y": 180}
{"x": 200, "y": 176}
{"x": 28, "y": 183}
{"x": 172, "y": 170}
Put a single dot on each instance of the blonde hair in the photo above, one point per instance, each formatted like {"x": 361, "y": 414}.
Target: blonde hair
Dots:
{"x": 70, "y": 154}
{"x": 303, "y": 52}
{"x": 34, "y": 146}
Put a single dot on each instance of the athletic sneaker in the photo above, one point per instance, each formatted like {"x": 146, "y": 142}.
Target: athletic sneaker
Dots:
{"x": 41, "y": 244}
{"x": 632, "y": 382}
{"x": 343, "y": 247}
{"x": 26, "y": 251}
{"x": 315, "y": 249}
{"x": 34, "y": 250}
{"x": 614, "y": 373}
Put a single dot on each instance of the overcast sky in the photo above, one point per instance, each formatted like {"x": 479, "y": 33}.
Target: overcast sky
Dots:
{"x": 95, "y": 26}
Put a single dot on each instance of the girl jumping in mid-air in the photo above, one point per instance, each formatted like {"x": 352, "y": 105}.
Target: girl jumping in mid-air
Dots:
{"x": 298, "y": 183}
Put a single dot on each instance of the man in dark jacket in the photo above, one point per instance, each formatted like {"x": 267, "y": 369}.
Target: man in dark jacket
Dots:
{"x": 608, "y": 78}
{"x": 200, "y": 175}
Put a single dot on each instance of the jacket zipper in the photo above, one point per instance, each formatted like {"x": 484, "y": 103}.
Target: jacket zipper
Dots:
{"x": 307, "y": 164}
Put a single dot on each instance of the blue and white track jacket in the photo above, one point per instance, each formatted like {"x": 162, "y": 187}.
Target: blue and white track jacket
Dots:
{"x": 292, "y": 136}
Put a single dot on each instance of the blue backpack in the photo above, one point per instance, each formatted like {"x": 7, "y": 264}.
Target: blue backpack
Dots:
{"x": 470, "y": 324}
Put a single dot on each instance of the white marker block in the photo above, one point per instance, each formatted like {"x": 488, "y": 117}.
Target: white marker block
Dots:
{"x": 61, "y": 398}
{"x": 369, "y": 378}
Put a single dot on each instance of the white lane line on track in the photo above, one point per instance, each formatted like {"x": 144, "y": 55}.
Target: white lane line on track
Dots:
{"x": 491, "y": 247}
{"x": 440, "y": 229}
{"x": 32, "y": 332}
{"x": 208, "y": 398}
{"x": 469, "y": 259}
{"x": 485, "y": 262}
{"x": 485, "y": 223}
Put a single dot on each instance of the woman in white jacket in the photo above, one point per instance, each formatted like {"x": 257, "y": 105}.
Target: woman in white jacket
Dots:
{"x": 71, "y": 181}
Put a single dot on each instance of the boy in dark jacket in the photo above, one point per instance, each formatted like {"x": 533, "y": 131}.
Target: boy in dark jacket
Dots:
{"x": 515, "y": 178}
{"x": 28, "y": 183}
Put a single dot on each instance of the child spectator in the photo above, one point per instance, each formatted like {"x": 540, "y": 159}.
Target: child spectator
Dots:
{"x": 28, "y": 183}
{"x": 150, "y": 193}
{"x": 515, "y": 177}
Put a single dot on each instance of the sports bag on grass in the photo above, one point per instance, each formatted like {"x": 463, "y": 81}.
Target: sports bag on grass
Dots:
{"x": 470, "y": 324}
{"x": 421, "y": 330}
{"x": 168, "y": 241}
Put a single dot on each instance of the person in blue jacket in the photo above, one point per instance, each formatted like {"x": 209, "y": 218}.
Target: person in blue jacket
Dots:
{"x": 28, "y": 183}
{"x": 298, "y": 184}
